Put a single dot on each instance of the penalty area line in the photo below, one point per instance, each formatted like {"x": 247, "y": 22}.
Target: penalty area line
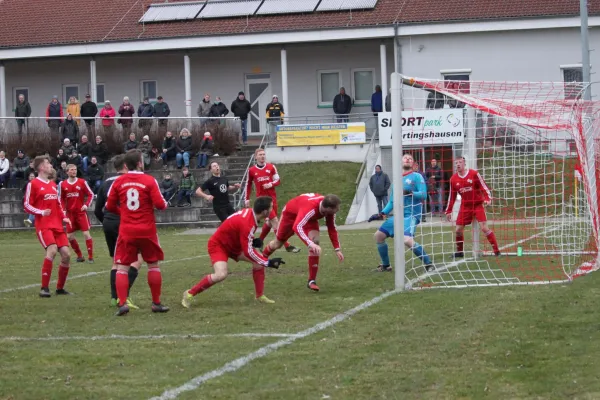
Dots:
{"x": 268, "y": 349}
{"x": 141, "y": 337}
{"x": 88, "y": 274}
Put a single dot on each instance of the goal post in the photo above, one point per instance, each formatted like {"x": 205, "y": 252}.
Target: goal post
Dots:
{"x": 530, "y": 143}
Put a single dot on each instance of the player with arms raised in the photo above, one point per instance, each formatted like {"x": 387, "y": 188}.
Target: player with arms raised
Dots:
{"x": 266, "y": 179}
{"x": 41, "y": 199}
{"x": 235, "y": 239}
{"x": 415, "y": 191}
{"x": 475, "y": 197}
{"x": 301, "y": 216}
{"x": 134, "y": 196}
{"x": 72, "y": 194}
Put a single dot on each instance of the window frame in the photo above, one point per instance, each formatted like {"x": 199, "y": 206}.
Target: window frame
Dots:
{"x": 446, "y": 73}
{"x": 564, "y": 68}
{"x": 327, "y": 104}
{"x": 99, "y": 103}
{"x": 355, "y": 101}
{"x": 65, "y": 99}
{"x": 14, "y": 95}
{"x": 150, "y": 99}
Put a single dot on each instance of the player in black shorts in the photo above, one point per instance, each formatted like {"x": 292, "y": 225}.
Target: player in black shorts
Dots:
{"x": 110, "y": 225}
{"x": 216, "y": 190}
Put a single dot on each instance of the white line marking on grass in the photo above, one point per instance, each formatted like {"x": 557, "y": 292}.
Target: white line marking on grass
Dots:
{"x": 140, "y": 337}
{"x": 33, "y": 285}
{"x": 266, "y": 350}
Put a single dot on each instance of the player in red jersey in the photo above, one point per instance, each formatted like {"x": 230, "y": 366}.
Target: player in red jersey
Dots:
{"x": 475, "y": 197}
{"x": 134, "y": 196}
{"x": 301, "y": 216}
{"x": 235, "y": 239}
{"x": 72, "y": 194}
{"x": 265, "y": 178}
{"x": 41, "y": 199}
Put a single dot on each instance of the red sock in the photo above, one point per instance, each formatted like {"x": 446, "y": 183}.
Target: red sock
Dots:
{"x": 122, "y": 284}
{"x": 155, "y": 283}
{"x": 46, "y": 272}
{"x": 313, "y": 267}
{"x": 491, "y": 237}
{"x": 76, "y": 248}
{"x": 89, "y": 243}
{"x": 258, "y": 275}
{"x": 201, "y": 286}
{"x": 265, "y": 231}
{"x": 267, "y": 251}
{"x": 460, "y": 241}
{"x": 63, "y": 272}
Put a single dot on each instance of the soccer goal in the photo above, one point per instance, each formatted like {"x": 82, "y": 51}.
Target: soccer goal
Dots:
{"x": 537, "y": 147}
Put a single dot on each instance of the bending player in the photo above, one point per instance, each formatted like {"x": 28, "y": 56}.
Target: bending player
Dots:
{"x": 475, "y": 196}
{"x": 72, "y": 194}
{"x": 235, "y": 239}
{"x": 134, "y": 196}
{"x": 415, "y": 190}
{"x": 41, "y": 199}
{"x": 110, "y": 226}
{"x": 301, "y": 215}
{"x": 266, "y": 178}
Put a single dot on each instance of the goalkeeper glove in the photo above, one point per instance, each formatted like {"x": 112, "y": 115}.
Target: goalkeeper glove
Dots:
{"x": 257, "y": 243}
{"x": 275, "y": 263}
{"x": 375, "y": 217}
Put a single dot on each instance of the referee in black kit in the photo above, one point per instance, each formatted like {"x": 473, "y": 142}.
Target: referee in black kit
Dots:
{"x": 216, "y": 190}
{"x": 110, "y": 226}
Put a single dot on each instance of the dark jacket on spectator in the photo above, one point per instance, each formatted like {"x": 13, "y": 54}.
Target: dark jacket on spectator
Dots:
{"x": 167, "y": 184}
{"x": 100, "y": 151}
{"x": 436, "y": 173}
{"x": 187, "y": 182}
{"x": 89, "y": 109}
{"x": 128, "y": 113}
{"x": 161, "y": 110}
{"x": 59, "y": 159}
{"x": 184, "y": 144}
{"x": 78, "y": 162}
{"x": 30, "y": 170}
{"x": 61, "y": 175}
{"x": 67, "y": 149}
{"x": 342, "y": 104}
{"x": 377, "y": 102}
{"x": 435, "y": 100}
{"x": 23, "y": 110}
{"x": 379, "y": 184}
{"x": 95, "y": 172}
{"x": 241, "y": 108}
{"x": 169, "y": 144}
{"x": 218, "y": 110}
{"x": 145, "y": 110}
{"x": 204, "y": 108}
{"x": 275, "y": 111}
{"x": 20, "y": 164}
{"x": 70, "y": 130}
{"x": 145, "y": 147}
{"x": 54, "y": 111}
{"x": 207, "y": 146}
{"x": 129, "y": 145}
{"x": 84, "y": 149}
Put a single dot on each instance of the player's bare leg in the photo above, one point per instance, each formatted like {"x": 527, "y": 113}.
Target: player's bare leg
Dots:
{"x": 313, "y": 262}
{"x": 274, "y": 224}
{"x": 491, "y": 237}
{"x": 220, "y": 274}
{"x": 460, "y": 241}
{"x": 63, "y": 270}
{"x": 155, "y": 283}
{"x": 75, "y": 246}
{"x": 418, "y": 251}
{"x": 47, "y": 269}
{"x": 89, "y": 244}
{"x": 382, "y": 249}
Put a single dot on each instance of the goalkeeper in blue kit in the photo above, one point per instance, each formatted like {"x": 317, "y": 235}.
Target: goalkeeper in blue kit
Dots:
{"x": 415, "y": 191}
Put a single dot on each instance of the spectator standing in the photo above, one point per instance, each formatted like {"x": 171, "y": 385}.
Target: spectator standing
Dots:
{"x": 100, "y": 151}
{"x": 30, "y": 220}
{"x": 146, "y": 148}
{"x": 4, "y": 170}
{"x": 169, "y": 150}
{"x": 206, "y": 150}
{"x": 89, "y": 109}
{"x": 434, "y": 177}
{"x": 184, "y": 149}
{"x": 130, "y": 144}
{"x": 54, "y": 115}
{"x": 187, "y": 185}
{"x": 145, "y": 112}
{"x": 95, "y": 175}
{"x": 67, "y": 148}
{"x": 161, "y": 109}
{"x": 84, "y": 148}
{"x": 22, "y": 112}
{"x": 380, "y": 184}
{"x": 275, "y": 112}
{"x": 167, "y": 188}
{"x": 435, "y": 100}
{"x": 218, "y": 109}
{"x": 342, "y": 105}
{"x": 74, "y": 109}
{"x": 108, "y": 115}
{"x": 377, "y": 101}
{"x": 241, "y": 108}
{"x": 126, "y": 111}
{"x": 70, "y": 130}
{"x": 204, "y": 110}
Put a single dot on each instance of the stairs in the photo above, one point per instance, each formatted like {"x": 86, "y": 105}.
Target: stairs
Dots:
{"x": 198, "y": 215}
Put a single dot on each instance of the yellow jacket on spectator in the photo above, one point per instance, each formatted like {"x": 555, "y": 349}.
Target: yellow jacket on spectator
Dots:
{"x": 74, "y": 109}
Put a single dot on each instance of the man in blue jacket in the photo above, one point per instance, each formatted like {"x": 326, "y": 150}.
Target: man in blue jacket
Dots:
{"x": 377, "y": 101}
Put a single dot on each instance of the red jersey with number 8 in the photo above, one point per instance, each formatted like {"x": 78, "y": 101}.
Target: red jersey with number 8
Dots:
{"x": 134, "y": 196}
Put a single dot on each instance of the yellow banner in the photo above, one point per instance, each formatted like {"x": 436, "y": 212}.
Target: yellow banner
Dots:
{"x": 321, "y": 134}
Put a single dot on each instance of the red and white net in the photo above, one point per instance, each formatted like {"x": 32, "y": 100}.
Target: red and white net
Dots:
{"x": 537, "y": 146}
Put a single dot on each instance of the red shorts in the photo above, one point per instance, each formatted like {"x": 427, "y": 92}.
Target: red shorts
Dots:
{"x": 127, "y": 249}
{"x": 286, "y": 226}
{"x": 217, "y": 253}
{"x": 466, "y": 214}
{"x": 79, "y": 222}
{"x": 48, "y": 237}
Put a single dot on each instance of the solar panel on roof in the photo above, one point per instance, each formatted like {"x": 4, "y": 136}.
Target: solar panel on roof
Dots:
{"x": 172, "y": 12}
{"x": 337, "y": 5}
{"x": 229, "y": 8}
{"x": 287, "y": 6}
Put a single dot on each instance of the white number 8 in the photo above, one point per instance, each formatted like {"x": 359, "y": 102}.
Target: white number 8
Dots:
{"x": 133, "y": 199}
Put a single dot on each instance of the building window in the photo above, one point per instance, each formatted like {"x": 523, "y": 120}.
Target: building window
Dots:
{"x": 69, "y": 90}
{"x": 149, "y": 90}
{"x": 363, "y": 85}
{"x": 100, "y": 94}
{"x": 329, "y": 83}
{"x": 461, "y": 75}
{"x": 572, "y": 78}
{"x": 17, "y": 92}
